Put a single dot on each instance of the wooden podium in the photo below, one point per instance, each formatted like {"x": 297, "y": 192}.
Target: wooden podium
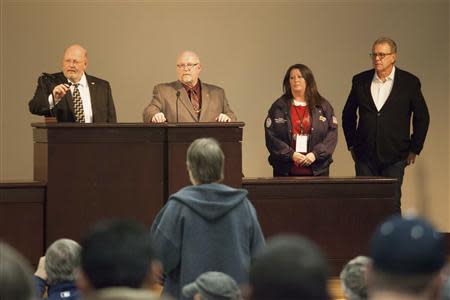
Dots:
{"x": 339, "y": 214}
{"x": 104, "y": 171}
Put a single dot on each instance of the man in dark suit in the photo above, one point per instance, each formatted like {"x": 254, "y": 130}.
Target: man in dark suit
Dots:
{"x": 188, "y": 99}
{"x": 385, "y": 98}
{"x": 72, "y": 95}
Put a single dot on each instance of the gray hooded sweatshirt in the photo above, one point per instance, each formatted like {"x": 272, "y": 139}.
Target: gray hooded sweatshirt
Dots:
{"x": 207, "y": 227}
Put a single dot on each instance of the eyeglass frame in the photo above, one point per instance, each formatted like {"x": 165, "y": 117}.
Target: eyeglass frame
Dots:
{"x": 188, "y": 66}
{"x": 380, "y": 55}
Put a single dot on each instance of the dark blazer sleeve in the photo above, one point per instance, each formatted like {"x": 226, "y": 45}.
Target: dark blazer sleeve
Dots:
{"x": 349, "y": 116}
{"x": 420, "y": 121}
{"x": 39, "y": 105}
{"x": 111, "y": 117}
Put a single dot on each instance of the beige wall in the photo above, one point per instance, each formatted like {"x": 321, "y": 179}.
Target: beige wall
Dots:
{"x": 245, "y": 47}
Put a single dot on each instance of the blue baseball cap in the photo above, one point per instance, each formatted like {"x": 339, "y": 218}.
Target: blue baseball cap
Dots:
{"x": 407, "y": 245}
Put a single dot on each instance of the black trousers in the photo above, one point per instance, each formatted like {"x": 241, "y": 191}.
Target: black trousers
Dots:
{"x": 375, "y": 168}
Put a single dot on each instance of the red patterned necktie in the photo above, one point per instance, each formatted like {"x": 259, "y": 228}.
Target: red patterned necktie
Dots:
{"x": 77, "y": 104}
{"x": 195, "y": 100}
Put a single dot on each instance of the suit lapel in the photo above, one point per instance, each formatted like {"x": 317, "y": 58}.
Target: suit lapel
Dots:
{"x": 185, "y": 101}
{"x": 395, "y": 88}
{"x": 93, "y": 94}
{"x": 205, "y": 102}
{"x": 367, "y": 90}
{"x": 61, "y": 80}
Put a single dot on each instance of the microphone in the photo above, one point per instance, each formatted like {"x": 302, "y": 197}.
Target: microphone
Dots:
{"x": 178, "y": 98}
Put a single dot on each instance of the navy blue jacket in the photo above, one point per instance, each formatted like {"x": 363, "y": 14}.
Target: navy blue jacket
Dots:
{"x": 322, "y": 140}
{"x": 61, "y": 291}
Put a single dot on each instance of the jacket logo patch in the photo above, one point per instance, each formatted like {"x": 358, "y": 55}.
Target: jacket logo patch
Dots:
{"x": 322, "y": 118}
{"x": 268, "y": 122}
{"x": 65, "y": 294}
{"x": 335, "y": 120}
{"x": 280, "y": 120}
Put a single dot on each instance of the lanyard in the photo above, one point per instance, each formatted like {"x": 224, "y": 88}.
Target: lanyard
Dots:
{"x": 303, "y": 116}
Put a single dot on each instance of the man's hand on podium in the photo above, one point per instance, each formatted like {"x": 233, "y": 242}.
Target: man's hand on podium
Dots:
{"x": 159, "y": 118}
{"x": 223, "y": 118}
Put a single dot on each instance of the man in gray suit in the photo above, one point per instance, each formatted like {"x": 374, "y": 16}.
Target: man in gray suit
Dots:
{"x": 188, "y": 99}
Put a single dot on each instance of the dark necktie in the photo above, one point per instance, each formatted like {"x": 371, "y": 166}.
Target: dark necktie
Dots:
{"x": 77, "y": 104}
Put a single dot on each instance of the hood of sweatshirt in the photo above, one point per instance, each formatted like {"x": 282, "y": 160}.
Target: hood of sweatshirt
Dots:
{"x": 212, "y": 200}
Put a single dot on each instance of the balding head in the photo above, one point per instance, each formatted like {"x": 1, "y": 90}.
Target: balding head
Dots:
{"x": 188, "y": 68}
{"x": 187, "y": 55}
{"x": 74, "y": 62}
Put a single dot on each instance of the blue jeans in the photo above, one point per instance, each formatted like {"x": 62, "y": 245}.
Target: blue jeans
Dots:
{"x": 376, "y": 168}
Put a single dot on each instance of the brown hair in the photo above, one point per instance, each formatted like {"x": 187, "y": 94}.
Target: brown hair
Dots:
{"x": 312, "y": 95}
{"x": 386, "y": 40}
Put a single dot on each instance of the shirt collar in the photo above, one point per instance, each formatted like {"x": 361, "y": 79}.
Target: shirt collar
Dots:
{"x": 195, "y": 87}
{"x": 82, "y": 82}
{"x": 389, "y": 77}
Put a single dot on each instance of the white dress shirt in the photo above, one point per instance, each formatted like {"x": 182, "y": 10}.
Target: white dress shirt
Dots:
{"x": 380, "y": 90}
{"x": 83, "y": 87}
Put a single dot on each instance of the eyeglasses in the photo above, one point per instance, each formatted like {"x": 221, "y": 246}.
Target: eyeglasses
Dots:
{"x": 381, "y": 55}
{"x": 72, "y": 61}
{"x": 188, "y": 66}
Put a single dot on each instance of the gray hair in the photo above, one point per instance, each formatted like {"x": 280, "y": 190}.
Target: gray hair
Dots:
{"x": 353, "y": 278}
{"x": 205, "y": 160}
{"x": 61, "y": 260}
{"x": 16, "y": 281}
{"x": 386, "y": 40}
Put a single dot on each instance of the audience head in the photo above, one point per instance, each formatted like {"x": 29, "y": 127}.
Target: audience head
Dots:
{"x": 62, "y": 260}
{"x": 16, "y": 281}
{"x": 290, "y": 267}
{"x": 408, "y": 255}
{"x": 445, "y": 291}
{"x": 74, "y": 62}
{"x": 213, "y": 286}
{"x": 205, "y": 161}
{"x": 188, "y": 68}
{"x": 353, "y": 278}
{"x": 116, "y": 253}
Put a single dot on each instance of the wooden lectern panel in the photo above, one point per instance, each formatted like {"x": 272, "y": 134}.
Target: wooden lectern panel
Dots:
{"x": 103, "y": 171}
{"x": 22, "y": 217}
{"x": 339, "y": 214}
{"x": 96, "y": 172}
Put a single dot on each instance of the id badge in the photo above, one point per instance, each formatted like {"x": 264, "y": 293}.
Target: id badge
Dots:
{"x": 301, "y": 145}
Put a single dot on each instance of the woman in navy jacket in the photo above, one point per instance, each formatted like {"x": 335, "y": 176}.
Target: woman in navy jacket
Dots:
{"x": 301, "y": 128}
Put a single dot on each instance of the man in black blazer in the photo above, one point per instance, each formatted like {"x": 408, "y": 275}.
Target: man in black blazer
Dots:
{"x": 56, "y": 94}
{"x": 377, "y": 117}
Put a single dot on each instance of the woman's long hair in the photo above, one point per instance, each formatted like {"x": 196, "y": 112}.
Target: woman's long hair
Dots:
{"x": 312, "y": 96}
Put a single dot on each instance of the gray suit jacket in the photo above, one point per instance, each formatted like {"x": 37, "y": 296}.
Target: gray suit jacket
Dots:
{"x": 214, "y": 102}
